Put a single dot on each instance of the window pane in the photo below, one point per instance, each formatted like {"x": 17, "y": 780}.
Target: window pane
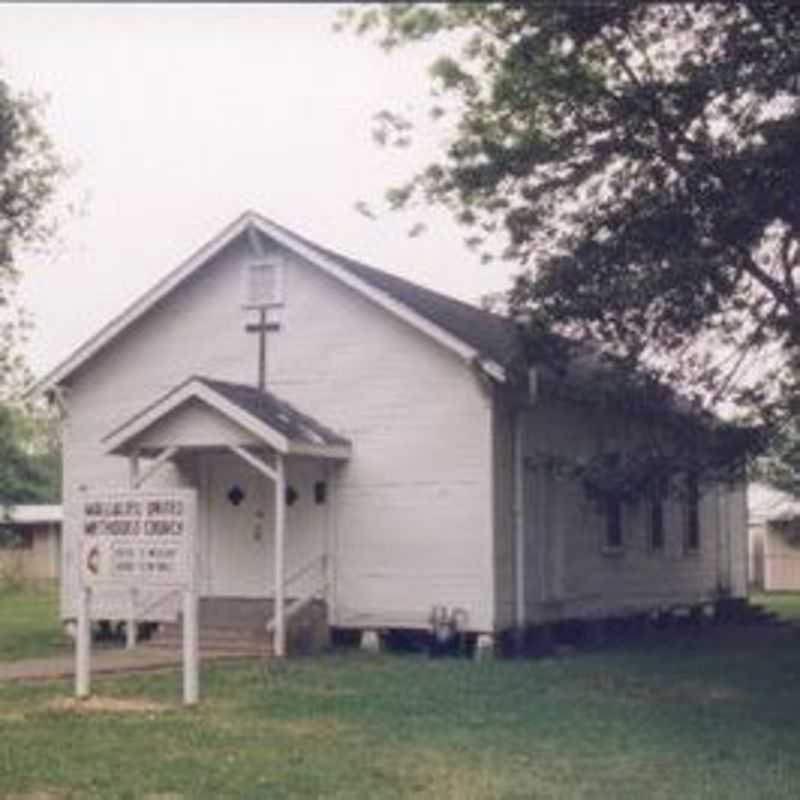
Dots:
{"x": 613, "y": 523}
{"x": 693, "y": 514}
{"x": 657, "y": 523}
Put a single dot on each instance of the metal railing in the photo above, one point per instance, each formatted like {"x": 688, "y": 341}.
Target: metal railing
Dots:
{"x": 141, "y": 611}
{"x": 298, "y": 604}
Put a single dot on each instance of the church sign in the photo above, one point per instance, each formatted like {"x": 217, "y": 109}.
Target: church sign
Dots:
{"x": 141, "y": 538}
{"x": 132, "y": 542}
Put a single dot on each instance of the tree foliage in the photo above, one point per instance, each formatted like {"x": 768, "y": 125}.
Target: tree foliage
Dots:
{"x": 30, "y": 456}
{"x": 29, "y": 174}
{"x": 30, "y": 171}
{"x": 639, "y": 161}
{"x": 780, "y": 465}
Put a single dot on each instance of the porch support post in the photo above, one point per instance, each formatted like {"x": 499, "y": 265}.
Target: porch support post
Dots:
{"x": 133, "y": 469}
{"x": 280, "y": 535}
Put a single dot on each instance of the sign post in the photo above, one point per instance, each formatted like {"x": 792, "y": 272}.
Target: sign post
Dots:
{"x": 83, "y": 644}
{"x": 132, "y": 541}
{"x": 191, "y": 655}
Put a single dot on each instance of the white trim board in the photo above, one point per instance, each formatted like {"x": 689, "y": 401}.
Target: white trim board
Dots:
{"x": 253, "y": 220}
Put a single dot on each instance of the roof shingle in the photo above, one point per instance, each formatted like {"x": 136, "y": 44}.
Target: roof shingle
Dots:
{"x": 494, "y": 337}
{"x": 278, "y": 414}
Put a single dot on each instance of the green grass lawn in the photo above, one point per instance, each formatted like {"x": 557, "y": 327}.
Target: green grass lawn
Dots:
{"x": 695, "y": 714}
{"x": 29, "y": 624}
{"x": 786, "y": 604}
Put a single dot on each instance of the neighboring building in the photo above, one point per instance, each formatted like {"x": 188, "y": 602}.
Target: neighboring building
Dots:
{"x": 30, "y": 543}
{"x": 408, "y": 430}
{"x": 773, "y": 539}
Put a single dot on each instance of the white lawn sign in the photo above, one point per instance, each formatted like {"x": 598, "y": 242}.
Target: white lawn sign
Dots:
{"x": 134, "y": 541}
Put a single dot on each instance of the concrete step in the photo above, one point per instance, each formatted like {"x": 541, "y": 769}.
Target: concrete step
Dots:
{"x": 174, "y": 630}
{"x": 171, "y": 634}
{"x": 234, "y": 612}
{"x": 239, "y": 625}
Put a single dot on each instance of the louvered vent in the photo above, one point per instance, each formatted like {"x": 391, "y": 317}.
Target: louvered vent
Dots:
{"x": 263, "y": 284}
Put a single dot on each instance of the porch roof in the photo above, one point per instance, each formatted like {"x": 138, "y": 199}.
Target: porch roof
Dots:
{"x": 262, "y": 414}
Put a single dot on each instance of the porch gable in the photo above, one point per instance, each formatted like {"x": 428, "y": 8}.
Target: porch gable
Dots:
{"x": 202, "y": 412}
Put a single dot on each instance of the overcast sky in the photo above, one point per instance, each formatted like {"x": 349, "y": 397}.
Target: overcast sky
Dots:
{"x": 180, "y": 117}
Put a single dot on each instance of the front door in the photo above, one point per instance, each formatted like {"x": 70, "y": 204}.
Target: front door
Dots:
{"x": 241, "y": 524}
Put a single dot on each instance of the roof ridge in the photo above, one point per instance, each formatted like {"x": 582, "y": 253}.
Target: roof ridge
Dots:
{"x": 463, "y": 327}
{"x": 356, "y": 262}
{"x": 491, "y": 334}
{"x": 270, "y": 397}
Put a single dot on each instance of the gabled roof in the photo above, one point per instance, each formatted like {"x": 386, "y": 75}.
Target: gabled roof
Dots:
{"x": 272, "y": 420}
{"x": 472, "y": 333}
{"x": 280, "y": 415}
{"x": 492, "y": 335}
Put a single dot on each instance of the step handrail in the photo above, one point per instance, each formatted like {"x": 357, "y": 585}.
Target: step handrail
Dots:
{"x": 304, "y": 569}
{"x": 140, "y": 612}
{"x": 296, "y": 607}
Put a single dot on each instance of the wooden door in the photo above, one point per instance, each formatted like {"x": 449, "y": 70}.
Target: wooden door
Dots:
{"x": 241, "y": 525}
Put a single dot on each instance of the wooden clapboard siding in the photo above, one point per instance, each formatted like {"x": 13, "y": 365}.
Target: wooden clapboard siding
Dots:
{"x": 781, "y": 557}
{"x": 422, "y": 513}
{"x": 413, "y": 520}
{"x": 412, "y": 510}
{"x": 39, "y": 562}
{"x": 568, "y": 571}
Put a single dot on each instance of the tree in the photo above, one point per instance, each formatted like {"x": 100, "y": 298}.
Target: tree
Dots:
{"x": 639, "y": 162}
{"x": 30, "y": 456}
{"x": 30, "y": 171}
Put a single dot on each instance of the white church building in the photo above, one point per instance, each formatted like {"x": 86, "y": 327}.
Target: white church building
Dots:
{"x": 398, "y": 430}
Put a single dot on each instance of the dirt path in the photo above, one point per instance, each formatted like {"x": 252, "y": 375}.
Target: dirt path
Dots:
{"x": 104, "y": 662}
